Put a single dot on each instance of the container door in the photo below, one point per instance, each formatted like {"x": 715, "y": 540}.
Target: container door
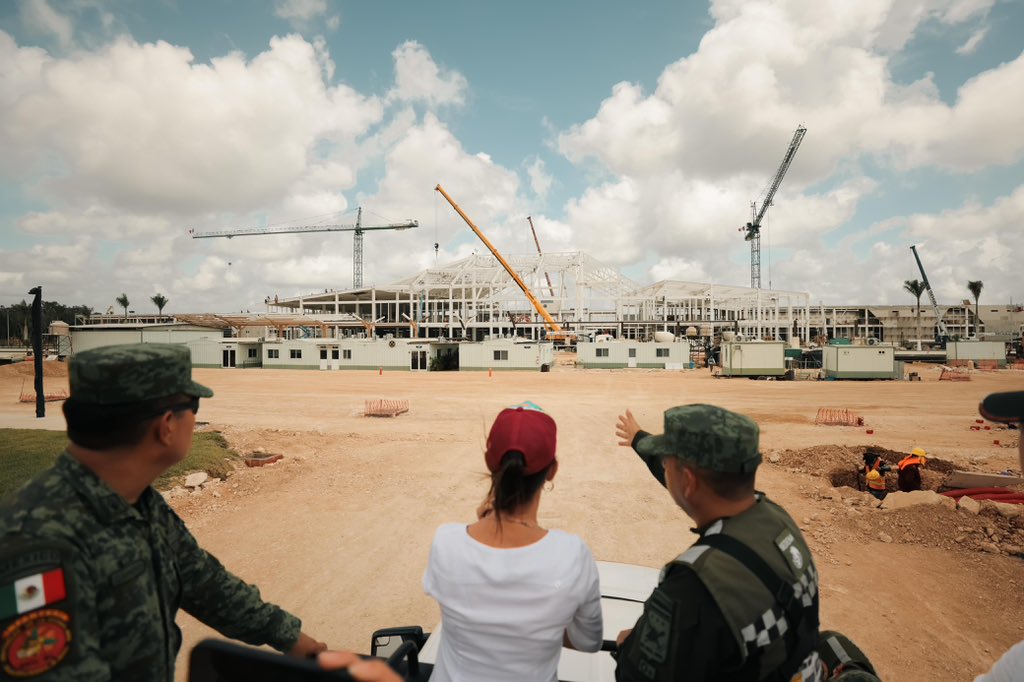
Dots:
{"x": 631, "y": 360}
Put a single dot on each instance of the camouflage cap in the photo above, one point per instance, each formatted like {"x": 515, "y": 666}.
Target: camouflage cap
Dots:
{"x": 130, "y": 373}
{"x": 707, "y": 436}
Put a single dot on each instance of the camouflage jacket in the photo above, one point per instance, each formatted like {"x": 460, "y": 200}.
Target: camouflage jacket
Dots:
{"x": 90, "y": 584}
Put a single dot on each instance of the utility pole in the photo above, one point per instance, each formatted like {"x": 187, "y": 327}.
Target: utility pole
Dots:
{"x": 37, "y": 349}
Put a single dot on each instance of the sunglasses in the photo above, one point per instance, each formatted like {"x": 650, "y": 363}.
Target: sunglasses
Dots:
{"x": 192, "y": 404}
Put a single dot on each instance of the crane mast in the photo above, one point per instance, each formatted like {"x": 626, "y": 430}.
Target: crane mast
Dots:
{"x": 357, "y": 242}
{"x": 941, "y": 332}
{"x": 555, "y": 331}
{"x": 753, "y": 228}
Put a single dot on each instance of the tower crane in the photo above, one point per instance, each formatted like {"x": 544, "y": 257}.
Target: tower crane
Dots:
{"x": 941, "y": 332}
{"x": 753, "y": 228}
{"x": 357, "y": 241}
{"x": 554, "y": 330}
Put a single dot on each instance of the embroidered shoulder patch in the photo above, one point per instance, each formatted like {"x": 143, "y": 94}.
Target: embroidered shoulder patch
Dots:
{"x": 35, "y": 643}
{"x": 790, "y": 551}
{"x": 657, "y": 628}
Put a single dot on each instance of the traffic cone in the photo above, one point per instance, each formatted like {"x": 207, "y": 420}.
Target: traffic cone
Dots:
{"x": 380, "y": 371}
{"x": 490, "y": 372}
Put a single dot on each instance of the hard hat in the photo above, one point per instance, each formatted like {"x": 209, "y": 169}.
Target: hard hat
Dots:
{"x": 919, "y": 452}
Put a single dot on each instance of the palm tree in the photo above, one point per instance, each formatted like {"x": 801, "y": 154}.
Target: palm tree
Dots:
{"x": 159, "y": 301}
{"x": 975, "y": 286}
{"x": 916, "y": 289}
{"x": 122, "y": 301}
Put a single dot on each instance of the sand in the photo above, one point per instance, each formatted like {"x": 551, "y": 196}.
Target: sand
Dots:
{"x": 339, "y": 530}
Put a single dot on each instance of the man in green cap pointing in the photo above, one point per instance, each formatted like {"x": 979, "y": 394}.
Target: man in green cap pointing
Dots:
{"x": 94, "y": 564}
{"x": 742, "y": 602}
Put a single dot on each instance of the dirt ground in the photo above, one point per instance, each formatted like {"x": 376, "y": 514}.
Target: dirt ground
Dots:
{"x": 339, "y": 530}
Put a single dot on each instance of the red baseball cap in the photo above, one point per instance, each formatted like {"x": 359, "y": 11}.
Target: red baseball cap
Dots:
{"x": 524, "y": 428}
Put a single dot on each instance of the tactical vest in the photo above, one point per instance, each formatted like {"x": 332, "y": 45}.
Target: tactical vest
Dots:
{"x": 777, "y": 624}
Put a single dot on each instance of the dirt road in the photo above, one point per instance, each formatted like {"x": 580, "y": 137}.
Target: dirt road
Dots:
{"x": 338, "y": 532}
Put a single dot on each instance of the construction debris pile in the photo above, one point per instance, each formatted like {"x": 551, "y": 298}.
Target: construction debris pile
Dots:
{"x": 923, "y": 517}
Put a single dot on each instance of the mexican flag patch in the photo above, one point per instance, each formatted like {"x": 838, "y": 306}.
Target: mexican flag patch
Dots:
{"x": 32, "y": 592}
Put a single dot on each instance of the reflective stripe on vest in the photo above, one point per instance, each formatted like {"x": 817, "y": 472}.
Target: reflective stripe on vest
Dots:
{"x": 875, "y": 480}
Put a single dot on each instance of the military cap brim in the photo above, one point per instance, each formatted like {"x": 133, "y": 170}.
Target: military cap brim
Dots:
{"x": 707, "y": 436}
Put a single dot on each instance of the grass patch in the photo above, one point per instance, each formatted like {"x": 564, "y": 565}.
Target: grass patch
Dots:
{"x": 26, "y": 452}
{"x": 209, "y": 453}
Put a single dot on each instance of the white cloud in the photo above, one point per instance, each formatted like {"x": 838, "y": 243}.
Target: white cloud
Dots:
{"x": 972, "y": 43}
{"x": 142, "y": 126}
{"x": 39, "y": 17}
{"x": 300, "y": 10}
{"x": 419, "y": 78}
{"x": 540, "y": 179}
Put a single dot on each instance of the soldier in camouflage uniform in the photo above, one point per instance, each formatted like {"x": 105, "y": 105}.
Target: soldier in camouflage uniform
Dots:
{"x": 94, "y": 564}
{"x": 742, "y": 602}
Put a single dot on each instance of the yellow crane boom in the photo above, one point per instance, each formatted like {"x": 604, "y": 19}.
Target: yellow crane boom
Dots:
{"x": 555, "y": 331}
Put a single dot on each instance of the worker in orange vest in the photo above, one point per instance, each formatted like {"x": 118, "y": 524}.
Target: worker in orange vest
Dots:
{"x": 909, "y": 476}
{"x": 874, "y": 474}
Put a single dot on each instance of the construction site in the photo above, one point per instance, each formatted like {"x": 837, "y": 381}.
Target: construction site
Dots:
{"x": 339, "y": 529}
{"x": 337, "y": 523}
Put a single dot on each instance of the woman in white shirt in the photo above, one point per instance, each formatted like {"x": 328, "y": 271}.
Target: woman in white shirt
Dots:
{"x": 511, "y": 592}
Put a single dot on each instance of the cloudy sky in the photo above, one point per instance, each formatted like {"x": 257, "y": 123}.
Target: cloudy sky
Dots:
{"x": 637, "y": 132}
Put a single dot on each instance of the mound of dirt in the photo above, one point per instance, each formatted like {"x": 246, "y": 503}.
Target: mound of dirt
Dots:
{"x": 841, "y": 464}
{"x": 51, "y": 368}
{"x": 932, "y": 525}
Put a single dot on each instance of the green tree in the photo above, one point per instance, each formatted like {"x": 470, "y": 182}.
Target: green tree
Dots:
{"x": 975, "y": 287}
{"x": 916, "y": 289}
{"x": 122, "y": 301}
{"x": 159, "y": 301}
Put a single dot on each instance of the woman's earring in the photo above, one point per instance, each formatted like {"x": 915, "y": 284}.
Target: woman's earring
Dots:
{"x": 550, "y": 486}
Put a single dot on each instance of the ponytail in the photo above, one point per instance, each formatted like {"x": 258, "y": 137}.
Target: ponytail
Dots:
{"x": 511, "y": 488}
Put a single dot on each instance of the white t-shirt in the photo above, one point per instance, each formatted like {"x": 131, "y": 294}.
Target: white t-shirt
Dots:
{"x": 1009, "y": 668}
{"x": 504, "y": 610}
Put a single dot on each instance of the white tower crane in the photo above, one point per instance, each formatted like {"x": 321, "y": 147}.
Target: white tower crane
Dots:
{"x": 753, "y": 228}
{"x": 357, "y": 242}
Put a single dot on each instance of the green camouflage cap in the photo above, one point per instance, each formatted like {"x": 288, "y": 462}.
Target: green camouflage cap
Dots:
{"x": 707, "y": 436}
{"x": 132, "y": 373}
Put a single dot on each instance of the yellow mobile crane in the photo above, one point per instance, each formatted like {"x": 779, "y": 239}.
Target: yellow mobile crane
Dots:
{"x": 555, "y": 331}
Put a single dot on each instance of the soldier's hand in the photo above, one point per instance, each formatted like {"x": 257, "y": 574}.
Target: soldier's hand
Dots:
{"x": 307, "y": 647}
{"x": 622, "y": 636}
{"x": 626, "y": 429}
{"x": 364, "y": 670}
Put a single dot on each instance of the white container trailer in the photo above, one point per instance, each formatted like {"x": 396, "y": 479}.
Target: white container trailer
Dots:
{"x": 225, "y": 352}
{"x": 290, "y": 354}
{"x": 859, "y": 362}
{"x": 629, "y": 354}
{"x": 506, "y": 354}
{"x": 87, "y": 337}
{"x": 753, "y": 358}
{"x": 977, "y": 350}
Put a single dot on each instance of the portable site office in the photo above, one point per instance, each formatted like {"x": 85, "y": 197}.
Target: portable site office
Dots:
{"x": 753, "y": 358}
{"x": 977, "y": 350}
{"x": 861, "y": 362}
{"x": 629, "y": 354}
{"x": 407, "y": 354}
